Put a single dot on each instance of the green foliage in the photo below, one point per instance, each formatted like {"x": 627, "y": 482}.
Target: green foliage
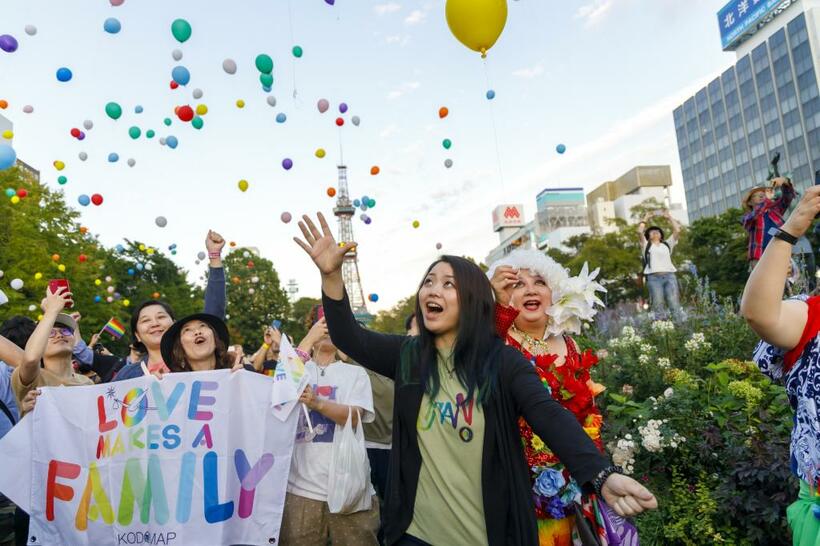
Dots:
{"x": 392, "y": 320}
{"x": 296, "y": 326}
{"x": 255, "y": 297}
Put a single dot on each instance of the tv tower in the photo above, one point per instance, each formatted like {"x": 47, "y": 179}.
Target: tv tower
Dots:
{"x": 344, "y": 211}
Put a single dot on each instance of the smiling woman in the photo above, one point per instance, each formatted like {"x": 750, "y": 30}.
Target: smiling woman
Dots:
{"x": 457, "y": 468}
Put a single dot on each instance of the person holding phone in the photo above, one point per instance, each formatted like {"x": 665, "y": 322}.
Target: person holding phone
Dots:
{"x": 267, "y": 356}
{"x": 764, "y": 207}
{"x": 659, "y": 271}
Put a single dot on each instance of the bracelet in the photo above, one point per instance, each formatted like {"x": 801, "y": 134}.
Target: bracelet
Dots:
{"x": 216, "y": 254}
{"x": 265, "y": 346}
{"x": 302, "y": 354}
{"x": 598, "y": 482}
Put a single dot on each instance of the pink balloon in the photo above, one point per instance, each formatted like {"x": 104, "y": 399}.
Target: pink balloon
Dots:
{"x": 322, "y": 105}
{"x": 116, "y": 3}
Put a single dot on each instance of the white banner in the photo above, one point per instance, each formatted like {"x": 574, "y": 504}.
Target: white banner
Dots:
{"x": 194, "y": 458}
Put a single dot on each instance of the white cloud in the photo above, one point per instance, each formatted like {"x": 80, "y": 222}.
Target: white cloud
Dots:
{"x": 415, "y": 17}
{"x": 389, "y": 131}
{"x": 383, "y": 9}
{"x": 399, "y": 39}
{"x": 594, "y": 12}
{"x": 403, "y": 89}
{"x": 529, "y": 73}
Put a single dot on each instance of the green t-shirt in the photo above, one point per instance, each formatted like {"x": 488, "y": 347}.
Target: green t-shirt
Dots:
{"x": 449, "y": 505}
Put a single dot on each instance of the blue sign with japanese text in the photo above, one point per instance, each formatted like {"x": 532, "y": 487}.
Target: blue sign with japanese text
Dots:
{"x": 738, "y": 16}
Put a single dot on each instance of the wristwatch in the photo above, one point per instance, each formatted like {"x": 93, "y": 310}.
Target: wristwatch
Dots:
{"x": 778, "y": 233}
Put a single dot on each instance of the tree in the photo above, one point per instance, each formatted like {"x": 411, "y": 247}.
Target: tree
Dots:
{"x": 255, "y": 297}
{"x": 392, "y": 320}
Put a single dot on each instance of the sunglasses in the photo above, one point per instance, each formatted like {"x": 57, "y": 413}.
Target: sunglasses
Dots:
{"x": 64, "y": 331}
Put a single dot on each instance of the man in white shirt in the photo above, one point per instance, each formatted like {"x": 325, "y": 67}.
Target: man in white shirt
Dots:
{"x": 658, "y": 267}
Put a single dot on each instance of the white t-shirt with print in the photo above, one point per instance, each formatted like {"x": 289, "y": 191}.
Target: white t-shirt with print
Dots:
{"x": 312, "y": 453}
{"x": 660, "y": 257}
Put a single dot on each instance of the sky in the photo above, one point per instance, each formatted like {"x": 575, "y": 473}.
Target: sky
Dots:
{"x": 601, "y": 77}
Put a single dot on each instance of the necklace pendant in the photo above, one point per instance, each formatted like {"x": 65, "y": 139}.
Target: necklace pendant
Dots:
{"x": 322, "y": 373}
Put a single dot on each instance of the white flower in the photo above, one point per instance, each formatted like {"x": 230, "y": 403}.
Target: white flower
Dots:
{"x": 662, "y": 326}
{"x": 574, "y": 300}
{"x": 647, "y": 348}
{"x": 697, "y": 342}
{"x": 644, "y": 359}
{"x": 664, "y": 363}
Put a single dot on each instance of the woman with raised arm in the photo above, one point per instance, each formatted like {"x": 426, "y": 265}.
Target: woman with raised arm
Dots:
{"x": 457, "y": 469}
{"x": 790, "y": 353}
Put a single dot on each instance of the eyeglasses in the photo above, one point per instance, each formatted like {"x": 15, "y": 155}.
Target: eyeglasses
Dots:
{"x": 64, "y": 331}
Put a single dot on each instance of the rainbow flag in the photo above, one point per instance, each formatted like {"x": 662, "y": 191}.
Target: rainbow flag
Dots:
{"x": 115, "y": 328}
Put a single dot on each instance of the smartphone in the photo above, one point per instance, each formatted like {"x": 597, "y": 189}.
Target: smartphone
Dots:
{"x": 56, "y": 284}
{"x": 276, "y": 324}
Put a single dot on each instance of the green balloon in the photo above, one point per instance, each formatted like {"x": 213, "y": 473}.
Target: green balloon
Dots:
{"x": 113, "y": 110}
{"x": 62, "y": 180}
{"x": 167, "y": 121}
{"x": 181, "y": 29}
{"x": 371, "y": 203}
{"x": 266, "y": 79}
{"x": 297, "y": 51}
{"x": 134, "y": 132}
{"x": 264, "y": 63}
{"x": 149, "y": 133}
{"x": 447, "y": 143}
{"x": 197, "y": 122}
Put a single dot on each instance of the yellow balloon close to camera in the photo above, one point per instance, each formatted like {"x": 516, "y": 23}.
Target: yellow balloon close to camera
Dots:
{"x": 477, "y": 23}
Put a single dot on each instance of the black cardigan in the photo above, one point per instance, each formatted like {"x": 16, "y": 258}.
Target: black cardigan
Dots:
{"x": 508, "y": 505}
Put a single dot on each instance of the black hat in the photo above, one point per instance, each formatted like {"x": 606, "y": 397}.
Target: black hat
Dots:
{"x": 171, "y": 335}
{"x": 655, "y": 228}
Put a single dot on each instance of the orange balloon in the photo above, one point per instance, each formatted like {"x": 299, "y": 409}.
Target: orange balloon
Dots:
{"x": 374, "y": 170}
{"x": 331, "y": 192}
{"x": 83, "y": 230}
{"x": 233, "y": 244}
{"x": 235, "y": 280}
{"x": 3, "y": 104}
{"x": 155, "y": 295}
{"x": 442, "y": 112}
{"x": 55, "y": 257}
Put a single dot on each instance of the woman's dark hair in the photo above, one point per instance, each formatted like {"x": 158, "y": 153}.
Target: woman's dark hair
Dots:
{"x": 654, "y": 228}
{"x": 135, "y": 319}
{"x": 18, "y": 329}
{"x": 180, "y": 363}
{"x": 475, "y": 353}
{"x": 408, "y": 322}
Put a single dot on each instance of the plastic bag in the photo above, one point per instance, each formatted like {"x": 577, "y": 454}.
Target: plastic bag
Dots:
{"x": 348, "y": 488}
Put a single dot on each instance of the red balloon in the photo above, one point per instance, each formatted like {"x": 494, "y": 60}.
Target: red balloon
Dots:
{"x": 75, "y": 132}
{"x": 340, "y": 122}
{"x": 97, "y": 199}
{"x": 22, "y": 193}
{"x": 174, "y": 84}
{"x": 185, "y": 113}
{"x": 82, "y": 258}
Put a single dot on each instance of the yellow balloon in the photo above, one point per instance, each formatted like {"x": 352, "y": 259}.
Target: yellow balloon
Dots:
{"x": 320, "y": 153}
{"x": 477, "y": 23}
{"x": 142, "y": 248}
{"x": 416, "y": 223}
{"x": 150, "y": 251}
{"x": 38, "y": 276}
{"x": 39, "y": 317}
{"x": 240, "y": 103}
{"x": 243, "y": 185}
{"x": 201, "y": 109}
{"x": 61, "y": 267}
{"x": 98, "y": 282}
{"x": 59, "y": 165}
{"x": 126, "y": 303}
{"x": 8, "y": 134}
{"x": 14, "y": 199}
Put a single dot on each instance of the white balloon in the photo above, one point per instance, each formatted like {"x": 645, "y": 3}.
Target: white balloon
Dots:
{"x": 132, "y": 162}
{"x": 201, "y": 255}
{"x": 32, "y": 307}
{"x": 28, "y": 109}
{"x": 197, "y": 93}
{"x": 162, "y": 141}
{"x": 149, "y": 267}
{"x": 17, "y": 284}
{"x": 176, "y": 54}
{"x": 251, "y": 290}
{"x": 83, "y": 156}
{"x": 229, "y": 66}
{"x": 161, "y": 221}
{"x": 197, "y": 263}
{"x": 356, "y": 120}
{"x": 31, "y": 30}
{"x": 88, "y": 124}
{"x": 448, "y": 163}
{"x": 254, "y": 280}
{"x": 1, "y": 273}
{"x": 271, "y": 100}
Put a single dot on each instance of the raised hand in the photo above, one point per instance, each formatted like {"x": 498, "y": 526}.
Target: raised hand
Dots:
{"x": 54, "y": 302}
{"x": 626, "y": 496}
{"x": 504, "y": 279}
{"x": 802, "y": 217}
{"x": 214, "y": 242}
{"x": 321, "y": 246}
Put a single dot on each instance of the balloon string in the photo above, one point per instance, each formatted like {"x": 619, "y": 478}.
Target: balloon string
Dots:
{"x": 495, "y": 129}
{"x": 341, "y": 149}
{"x": 292, "y": 43}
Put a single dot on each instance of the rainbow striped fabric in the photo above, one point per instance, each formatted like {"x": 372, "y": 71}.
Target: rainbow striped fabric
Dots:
{"x": 115, "y": 328}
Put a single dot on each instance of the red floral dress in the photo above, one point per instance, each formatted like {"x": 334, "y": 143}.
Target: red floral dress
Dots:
{"x": 554, "y": 491}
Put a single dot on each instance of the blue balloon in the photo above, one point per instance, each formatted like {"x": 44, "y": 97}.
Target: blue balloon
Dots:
{"x": 138, "y": 109}
{"x": 490, "y": 94}
{"x": 8, "y": 157}
{"x": 83, "y": 200}
{"x": 140, "y": 267}
{"x": 280, "y": 118}
{"x": 112, "y": 25}
{"x": 97, "y": 299}
{"x": 171, "y": 141}
{"x": 560, "y": 148}
{"x": 131, "y": 272}
{"x": 266, "y": 89}
{"x": 113, "y": 157}
{"x": 356, "y": 202}
{"x": 120, "y": 248}
{"x": 181, "y": 75}
{"x": 64, "y": 74}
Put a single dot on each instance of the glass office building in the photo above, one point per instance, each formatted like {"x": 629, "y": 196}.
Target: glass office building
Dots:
{"x": 766, "y": 103}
